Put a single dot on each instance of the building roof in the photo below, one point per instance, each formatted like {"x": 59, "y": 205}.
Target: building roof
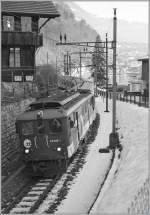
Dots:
{"x": 144, "y": 58}
{"x": 43, "y": 9}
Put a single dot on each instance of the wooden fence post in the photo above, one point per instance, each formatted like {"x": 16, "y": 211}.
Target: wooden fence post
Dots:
{"x": 145, "y": 101}
{"x": 130, "y": 98}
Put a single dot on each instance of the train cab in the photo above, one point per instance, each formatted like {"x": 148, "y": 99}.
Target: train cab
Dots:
{"x": 50, "y": 130}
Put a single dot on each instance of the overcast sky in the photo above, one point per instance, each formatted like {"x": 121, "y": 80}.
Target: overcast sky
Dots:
{"x": 127, "y": 10}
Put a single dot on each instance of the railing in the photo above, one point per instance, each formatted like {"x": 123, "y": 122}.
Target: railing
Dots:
{"x": 140, "y": 100}
{"x": 21, "y": 39}
{"x": 18, "y": 74}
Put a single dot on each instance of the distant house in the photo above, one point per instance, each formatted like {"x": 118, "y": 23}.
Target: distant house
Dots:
{"x": 145, "y": 74}
{"x": 21, "y": 36}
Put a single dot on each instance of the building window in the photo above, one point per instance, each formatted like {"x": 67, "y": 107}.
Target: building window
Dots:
{"x": 26, "y": 24}
{"x": 14, "y": 57}
{"x": 7, "y": 23}
{"x": 17, "y": 23}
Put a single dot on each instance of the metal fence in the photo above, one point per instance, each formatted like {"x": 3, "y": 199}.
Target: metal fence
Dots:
{"x": 140, "y": 100}
{"x": 140, "y": 203}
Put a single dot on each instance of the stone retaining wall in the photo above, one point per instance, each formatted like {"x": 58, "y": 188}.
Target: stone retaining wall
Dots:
{"x": 9, "y": 140}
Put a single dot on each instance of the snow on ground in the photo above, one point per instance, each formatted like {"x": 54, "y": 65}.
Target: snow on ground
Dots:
{"x": 133, "y": 169}
{"x": 86, "y": 186}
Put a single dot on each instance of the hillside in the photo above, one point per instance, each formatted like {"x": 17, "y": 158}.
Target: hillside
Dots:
{"x": 75, "y": 30}
{"x": 130, "y": 32}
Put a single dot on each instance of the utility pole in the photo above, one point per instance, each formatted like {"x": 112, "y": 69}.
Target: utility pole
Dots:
{"x": 96, "y": 70}
{"x": 80, "y": 64}
{"x": 106, "y": 75}
{"x": 64, "y": 64}
{"x": 114, "y": 73}
{"x": 56, "y": 74}
{"x": 70, "y": 65}
{"x": 67, "y": 63}
{"x": 47, "y": 58}
{"x": 113, "y": 138}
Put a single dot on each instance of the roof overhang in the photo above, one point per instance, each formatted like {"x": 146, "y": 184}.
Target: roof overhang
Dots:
{"x": 41, "y": 9}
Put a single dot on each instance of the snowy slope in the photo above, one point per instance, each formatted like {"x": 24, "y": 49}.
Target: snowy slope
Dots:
{"x": 130, "y": 173}
{"x": 133, "y": 169}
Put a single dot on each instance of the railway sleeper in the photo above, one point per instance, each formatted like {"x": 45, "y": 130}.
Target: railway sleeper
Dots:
{"x": 47, "y": 168}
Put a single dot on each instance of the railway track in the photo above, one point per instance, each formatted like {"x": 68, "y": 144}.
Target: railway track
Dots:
{"x": 46, "y": 194}
{"x": 34, "y": 197}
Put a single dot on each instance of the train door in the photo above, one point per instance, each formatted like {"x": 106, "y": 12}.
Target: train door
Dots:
{"x": 89, "y": 113}
{"x": 74, "y": 130}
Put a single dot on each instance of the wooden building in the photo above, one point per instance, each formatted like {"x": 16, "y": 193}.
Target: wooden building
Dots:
{"x": 21, "y": 36}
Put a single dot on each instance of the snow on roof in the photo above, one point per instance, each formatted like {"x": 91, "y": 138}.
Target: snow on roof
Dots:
{"x": 144, "y": 58}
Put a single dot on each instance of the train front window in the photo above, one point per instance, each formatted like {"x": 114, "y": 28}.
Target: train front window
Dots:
{"x": 55, "y": 125}
{"x": 40, "y": 126}
{"x": 27, "y": 128}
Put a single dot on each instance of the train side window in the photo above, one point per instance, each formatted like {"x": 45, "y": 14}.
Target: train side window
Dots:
{"x": 92, "y": 102}
{"x": 75, "y": 119}
{"x": 55, "y": 125}
{"x": 82, "y": 110}
{"x": 17, "y": 127}
{"x": 71, "y": 120}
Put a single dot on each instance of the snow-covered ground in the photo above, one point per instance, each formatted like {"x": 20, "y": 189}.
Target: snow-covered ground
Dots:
{"x": 127, "y": 175}
{"x": 133, "y": 169}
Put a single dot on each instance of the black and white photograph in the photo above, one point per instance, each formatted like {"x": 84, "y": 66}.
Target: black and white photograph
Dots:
{"x": 75, "y": 107}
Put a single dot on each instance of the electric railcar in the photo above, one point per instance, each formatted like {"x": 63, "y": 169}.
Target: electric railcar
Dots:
{"x": 51, "y": 129}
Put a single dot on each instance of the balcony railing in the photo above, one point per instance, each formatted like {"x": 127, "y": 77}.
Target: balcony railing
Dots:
{"x": 11, "y": 38}
{"x": 18, "y": 74}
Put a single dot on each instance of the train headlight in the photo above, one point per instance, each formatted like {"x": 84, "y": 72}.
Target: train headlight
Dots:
{"x": 27, "y": 143}
{"x": 58, "y": 149}
{"x": 26, "y": 151}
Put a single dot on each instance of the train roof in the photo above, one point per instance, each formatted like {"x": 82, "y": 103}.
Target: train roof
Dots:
{"x": 57, "y": 105}
{"x": 55, "y": 100}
